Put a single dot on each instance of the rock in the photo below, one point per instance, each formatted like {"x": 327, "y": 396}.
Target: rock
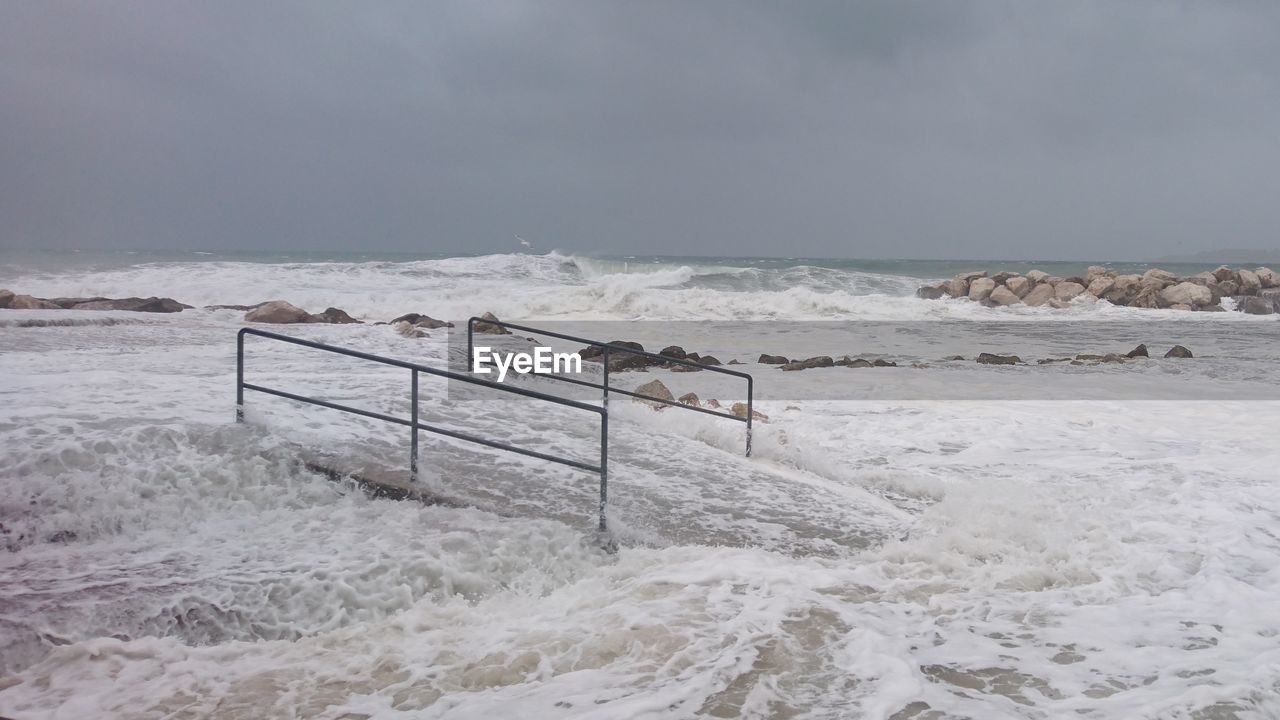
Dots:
{"x": 859, "y": 363}
{"x": 813, "y": 362}
{"x": 423, "y": 321}
{"x": 1095, "y": 271}
{"x": 1158, "y": 279}
{"x": 1066, "y": 291}
{"x": 1050, "y": 361}
{"x": 1250, "y": 283}
{"x": 134, "y": 304}
{"x": 1216, "y": 307}
{"x": 690, "y": 399}
{"x": 772, "y": 359}
{"x": 6, "y": 297}
{"x": 713, "y": 403}
{"x": 740, "y": 410}
{"x": 1204, "y": 278}
{"x": 673, "y": 351}
{"x": 1255, "y": 305}
{"x": 1002, "y": 278}
{"x": 1186, "y": 293}
{"x": 990, "y": 359}
{"x": 735, "y": 361}
{"x": 971, "y": 275}
{"x": 1004, "y": 296}
{"x": 684, "y": 368}
{"x": 884, "y": 363}
{"x": 1057, "y": 304}
{"x": 278, "y": 312}
{"x": 334, "y": 316}
{"x": 950, "y": 358}
{"x": 1267, "y": 277}
{"x": 1039, "y": 295}
{"x": 1037, "y": 276}
{"x": 1178, "y": 351}
{"x": 1140, "y": 351}
{"x": 1053, "y": 280}
{"x": 1227, "y": 288}
{"x": 1147, "y": 297}
{"x": 1181, "y": 306}
{"x": 488, "y": 328}
{"x": 931, "y": 292}
{"x": 693, "y": 356}
{"x": 620, "y": 360}
{"x": 654, "y": 389}
{"x": 1224, "y": 274}
{"x": 26, "y": 302}
{"x": 1019, "y": 286}
{"x": 1112, "y": 358}
{"x": 1088, "y": 356}
{"x": 980, "y": 289}
{"x": 241, "y": 308}
{"x": 709, "y": 360}
{"x": 410, "y": 330}
{"x": 1101, "y": 286}
{"x": 958, "y": 288}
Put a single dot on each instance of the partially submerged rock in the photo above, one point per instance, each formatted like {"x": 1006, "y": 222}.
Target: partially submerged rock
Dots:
{"x": 423, "y": 321}
{"x": 488, "y": 328}
{"x": 12, "y": 301}
{"x": 278, "y": 312}
{"x": 690, "y": 399}
{"x": 1140, "y": 351}
{"x": 766, "y": 359}
{"x": 813, "y": 362}
{"x": 1178, "y": 351}
{"x": 740, "y": 410}
{"x": 992, "y": 359}
{"x": 654, "y": 389}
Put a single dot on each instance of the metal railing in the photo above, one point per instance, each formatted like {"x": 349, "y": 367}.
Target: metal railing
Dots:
{"x": 414, "y": 424}
{"x": 622, "y": 349}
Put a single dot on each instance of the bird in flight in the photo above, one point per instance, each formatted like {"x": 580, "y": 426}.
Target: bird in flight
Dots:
{"x": 524, "y": 242}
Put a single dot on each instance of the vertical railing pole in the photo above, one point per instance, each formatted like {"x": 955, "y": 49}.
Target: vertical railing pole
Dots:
{"x": 467, "y": 362}
{"x": 604, "y": 447}
{"x": 413, "y": 432}
{"x": 240, "y": 376}
{"x": 750, "y": 412}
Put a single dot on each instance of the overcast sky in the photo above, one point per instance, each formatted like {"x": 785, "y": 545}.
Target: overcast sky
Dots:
{"x": 1014, "y": 129}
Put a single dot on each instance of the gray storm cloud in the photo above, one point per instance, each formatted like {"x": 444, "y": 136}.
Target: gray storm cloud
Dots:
{"x": 859, "y": 129}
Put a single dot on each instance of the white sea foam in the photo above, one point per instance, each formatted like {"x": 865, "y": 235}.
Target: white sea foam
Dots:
{"x": 873, "y": 559}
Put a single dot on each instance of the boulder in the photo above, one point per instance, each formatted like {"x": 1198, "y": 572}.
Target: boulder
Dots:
{"x": 1178, "y": 351}
{"x": 1158, "y": 279}
{"x": 1101, "y": 286}
{"x": 620, "y": 360}
{"x": 740, "y": 410}
{"x": 1053, "y": 280}
{"x": 1186, "y": 293}
{"x": 931, "y": 292}
{"x": 1019, "y": 286}
{"x": 1095, "y": 271}
{"x": 709, "y": 360}
{"x": 859, "y": 363}
{"x": 1140, "y": 351}
{"x": 879, "y": 362}
{"x": 689, "y": 399}
{"x": 488, "y": 328}
{"x": 1267, "y": 277}
{"x": 813, "y": 362}
{"x": 991, "y": 359}
{"x": 334, "y": 316}
{"x": 1037, "y": 276}
{"x": 971, "y": 275}
{"x": 1223, "y": 274}
{"x": 1204, "y": 278}
{"x": 26, "y": 302}
{"x": 1255, "y": 305}
{"x": 1040, "y": 295}
{"x": 1227, "y": 288}
{"x": 713, "y": 403}
{"x": 278, "y": 312}
{"x": 980, "y": 289}
{"x": 654, "y": 389}
{"x": 673, "y": 351}
{"x": 735, "y": 361}
{"x": 6, "y": 297}
{"x": 1250, "y": 283}
{"x": 1004, "y": 296}
{"x": 958, "y": 288}
{"x": 1066, "y": 291}
{"x": 133, "y": 304}
{"x": 1147, "y": 297}
{"x": 1001, "y": 278}
{"x": 423, "y": 321}
{"x": 766, "y": 359}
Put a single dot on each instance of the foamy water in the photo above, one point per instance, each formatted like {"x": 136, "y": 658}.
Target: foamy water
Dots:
{"x": 888, "y": 558}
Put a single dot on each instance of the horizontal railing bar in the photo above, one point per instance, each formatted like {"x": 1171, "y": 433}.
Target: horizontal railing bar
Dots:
{"x": 330, "y": 405}
{"x": 423, "y": 426}
{"x": 611, "y": 346}
{"x": 615, "y": 389}
{"x": 676, "y": 403}
{"x": 423, "y": 368}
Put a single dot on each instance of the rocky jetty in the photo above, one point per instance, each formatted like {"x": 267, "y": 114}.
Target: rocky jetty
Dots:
{"x": 10, "y": 300}
{"x": 1252, "y": 291}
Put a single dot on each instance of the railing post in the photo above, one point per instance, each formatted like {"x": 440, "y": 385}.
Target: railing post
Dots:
{"x": 467, "y": 363}
{"x": 413, "y": 431}
{"x": 604, "y": 447}
{"x": 240, "y": 376}
{"x": 750, "y": 412}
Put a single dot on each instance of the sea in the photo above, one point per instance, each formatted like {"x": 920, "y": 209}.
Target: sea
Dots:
{"x": 935, "y": 539}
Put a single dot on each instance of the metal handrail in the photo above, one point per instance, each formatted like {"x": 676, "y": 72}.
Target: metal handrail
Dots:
{"x": 413, "y": 424}
{"x": 607, "y": 347}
